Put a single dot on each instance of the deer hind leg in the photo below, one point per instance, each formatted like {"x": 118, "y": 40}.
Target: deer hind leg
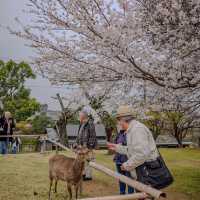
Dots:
{"x": 69, "y": 188}
{"x": 77, "y": 187}
{"x": 50, "y": 185}
{"x": 56, "y": 184}
{"x": 80, "y": 187}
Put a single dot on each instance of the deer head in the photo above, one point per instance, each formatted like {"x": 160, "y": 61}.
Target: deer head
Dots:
{"x": 82, "y": 153}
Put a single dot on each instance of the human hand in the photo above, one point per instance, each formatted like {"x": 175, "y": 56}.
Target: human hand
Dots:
{"x": 111, "y": 146}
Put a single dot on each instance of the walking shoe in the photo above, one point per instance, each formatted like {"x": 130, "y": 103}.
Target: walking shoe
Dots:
{"x": 87, "y": 179}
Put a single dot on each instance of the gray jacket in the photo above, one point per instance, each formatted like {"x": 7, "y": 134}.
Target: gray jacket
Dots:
{"x": 140, "y": 147}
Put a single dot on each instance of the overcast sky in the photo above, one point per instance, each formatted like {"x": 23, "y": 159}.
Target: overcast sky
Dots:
{"x": 14, "y": 48}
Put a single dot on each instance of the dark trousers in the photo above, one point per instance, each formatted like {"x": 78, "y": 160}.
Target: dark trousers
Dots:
{"x": 14, "y": 150}
{"x": 123, "y": 186}
{"x": 3, "y": 147}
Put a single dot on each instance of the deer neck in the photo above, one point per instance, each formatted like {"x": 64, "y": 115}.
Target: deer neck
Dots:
{"x": 78, "y": 166}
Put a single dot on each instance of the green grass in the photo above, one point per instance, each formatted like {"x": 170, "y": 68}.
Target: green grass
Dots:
{"x": 24, "y": 175}
{"x": 185, "y": 166}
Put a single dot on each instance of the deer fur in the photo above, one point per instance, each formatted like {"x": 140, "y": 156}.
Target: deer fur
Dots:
{"x": 67, "y": 169}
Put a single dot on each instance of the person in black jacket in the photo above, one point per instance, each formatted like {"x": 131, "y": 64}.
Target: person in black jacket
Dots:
{"x": 6, "y": 128}
{"x": 87, "y": 137}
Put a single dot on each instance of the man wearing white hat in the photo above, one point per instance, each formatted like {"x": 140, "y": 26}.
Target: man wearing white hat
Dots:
{"x": 144, "y": 159}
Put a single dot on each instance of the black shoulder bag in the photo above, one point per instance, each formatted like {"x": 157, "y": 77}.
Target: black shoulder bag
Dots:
{"x": 155, "y": 173}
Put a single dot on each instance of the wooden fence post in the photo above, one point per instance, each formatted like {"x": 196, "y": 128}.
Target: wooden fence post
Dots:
{"x": 56, "y": 149}
{"x": 43, "y": 145}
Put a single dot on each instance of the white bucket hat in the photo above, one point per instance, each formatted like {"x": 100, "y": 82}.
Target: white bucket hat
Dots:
{"x": 124, "y": 111}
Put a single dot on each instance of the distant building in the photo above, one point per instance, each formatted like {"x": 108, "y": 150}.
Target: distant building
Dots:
{"x": 72, "y": 131}
{"x": 52, "y": 134}
{"x": 167, "y": 140}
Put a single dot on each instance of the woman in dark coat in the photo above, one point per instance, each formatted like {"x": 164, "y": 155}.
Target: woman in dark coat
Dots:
{"x": 6, "y": 128}
{"x": 119, "y": 159}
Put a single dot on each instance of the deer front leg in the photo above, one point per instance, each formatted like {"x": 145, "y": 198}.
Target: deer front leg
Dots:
{"x": 69, "y": 188}
{"x": 56, "y": 183}
{"x": 50, "y": 185}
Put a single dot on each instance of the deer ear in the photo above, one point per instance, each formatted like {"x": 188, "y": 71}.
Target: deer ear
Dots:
{"x": 74, "y": 146}
{"x": 86, "y": 150}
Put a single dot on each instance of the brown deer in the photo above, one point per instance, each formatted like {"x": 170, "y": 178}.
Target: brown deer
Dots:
{"x": 68, "y": 169}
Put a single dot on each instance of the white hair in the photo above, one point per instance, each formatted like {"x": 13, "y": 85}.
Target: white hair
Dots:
{"x": 84, "y": 113}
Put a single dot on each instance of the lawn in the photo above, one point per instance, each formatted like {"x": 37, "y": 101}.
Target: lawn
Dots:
{"x": 25, "y": 176}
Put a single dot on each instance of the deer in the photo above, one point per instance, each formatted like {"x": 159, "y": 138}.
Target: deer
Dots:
{"x": 67, "y": 169}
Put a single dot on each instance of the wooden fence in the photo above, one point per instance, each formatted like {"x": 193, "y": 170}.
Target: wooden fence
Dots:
{"x": 120, "y": 197}
{"x": 145, "y": 191}
{"x": 20, "y": 136}
{"x": 29, "y": 147}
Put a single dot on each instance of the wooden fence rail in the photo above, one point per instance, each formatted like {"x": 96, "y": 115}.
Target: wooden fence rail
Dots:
{"x": 60, "y": 145}
{"x": 28, "y": 136}
{"x": 120, "y": 197}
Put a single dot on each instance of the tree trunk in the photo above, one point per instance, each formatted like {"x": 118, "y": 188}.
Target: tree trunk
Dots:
{"x": 109, "y": 138}
{"x": 63, "y": 134}
{"x": 62, "y": 123}
{"x": 179, "y": 140}
{"x": 62, "y": 131}
{"x": 109, "y": 134}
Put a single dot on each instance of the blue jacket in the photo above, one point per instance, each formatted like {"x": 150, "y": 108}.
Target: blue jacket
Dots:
{"x": 120, "y": 139}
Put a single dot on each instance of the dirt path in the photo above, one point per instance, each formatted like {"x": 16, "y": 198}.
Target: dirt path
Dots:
{"x": 176, "y": 196}
{"x": 97, "y": 188}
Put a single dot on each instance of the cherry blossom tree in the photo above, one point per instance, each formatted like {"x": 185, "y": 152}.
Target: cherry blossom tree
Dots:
{"x": 177, "y": 115}
{"x": 117, "y": 40}
{"x": 125, "y": 42}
